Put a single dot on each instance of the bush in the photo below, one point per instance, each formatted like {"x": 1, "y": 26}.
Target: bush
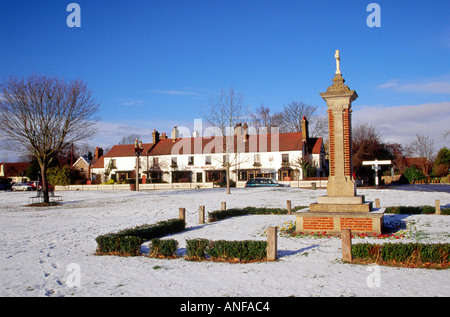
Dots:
{"x": 413, "y": 174}
{"x": 128, "y": 241}
{"x": 162, "y": 228}
{"x": 410, "y": 254}
{"x": 196, "y": 249}
{"x": 58, "y": 175}
{"x": 245, "y": 251}
{"x": 113, "y": 244}
{"x": 163, "y": 248}
{"x": 222, "y": 214}
{"x": 222, "y": 250}
{"x": 412, "y": 210}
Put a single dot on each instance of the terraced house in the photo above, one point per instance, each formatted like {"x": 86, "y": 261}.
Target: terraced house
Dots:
{"x": 202, "y": 159}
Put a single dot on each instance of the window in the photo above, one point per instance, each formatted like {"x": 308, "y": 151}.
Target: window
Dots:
{"x": 257, "y": 159}
{"x": 156, "y": 161}
{"x": 208, "y": 160}
{"x": 285, "y": 158}
{"x": 199, "y": 177}
{"x": 113, "y": 163}
{"x": 190, "y": 160}
{"x": 174, "y": 162}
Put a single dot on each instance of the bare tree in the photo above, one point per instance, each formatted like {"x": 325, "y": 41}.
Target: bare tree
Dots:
{"x": 292, "y": 115}
{"x": 130, "y": 139}
{"x": 225, "y": 112}
{"x": 264, "y": 118}
{"x": 367, "y": 145}
{"x": 422, "y": 146}
{"x": 41, "y": 115}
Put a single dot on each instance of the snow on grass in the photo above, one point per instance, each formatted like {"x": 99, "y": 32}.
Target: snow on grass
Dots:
{"x": 39, "y": 244}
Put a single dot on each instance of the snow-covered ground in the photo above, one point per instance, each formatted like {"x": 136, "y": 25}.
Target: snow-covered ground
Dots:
{"x": 50, "y": 251}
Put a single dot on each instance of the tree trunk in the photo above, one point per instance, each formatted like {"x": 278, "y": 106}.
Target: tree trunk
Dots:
{"x": 44, "y": 182}
{"x": 228, "y": 179}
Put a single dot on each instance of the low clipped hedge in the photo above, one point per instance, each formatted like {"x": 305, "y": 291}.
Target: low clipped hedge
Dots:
{"x": 412, "y": 210}
{"x": 114, "y": 244}
{"x": 415, "y": 210}
{"x": 229, "y": 251}
{"x": 127, "y": 242}
{"x": 405, "y": 254}
{"x": 233, "y": 212}
{"x": 160, "y": 248}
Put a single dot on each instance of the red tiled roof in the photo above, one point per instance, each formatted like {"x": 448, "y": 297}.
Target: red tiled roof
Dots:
{"x": 254, "y": 143}
{"x": 99, "y": 163}
{"x": 126, "y": 150}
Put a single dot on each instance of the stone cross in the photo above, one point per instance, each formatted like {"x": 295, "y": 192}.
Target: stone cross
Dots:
{"x": 338, "y": 61}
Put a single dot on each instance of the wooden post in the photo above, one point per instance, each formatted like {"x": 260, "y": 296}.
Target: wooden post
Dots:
{"x": 377, "y": 202}
{"x": 438, "y": 206}
{"x": 224, "y": 205}
{"x": 346, "y": 237}
{"x": 289, "y": 207}
{"x": 182, "y": 213}
{"x": 201, "y": 214}
{"x": 271, "y": 243}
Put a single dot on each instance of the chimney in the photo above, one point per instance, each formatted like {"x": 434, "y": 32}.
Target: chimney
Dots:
{"x": 98, "y": 153}
{"x": 155, "y": 136}
{"x": 175, "y": 134}
{"x": 305, "y": 131}
{"x": 245, "y": 131}
{"x": 238, "y": 129}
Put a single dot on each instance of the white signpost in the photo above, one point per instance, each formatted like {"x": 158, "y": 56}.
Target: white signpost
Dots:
{"x": 375, "y": 166}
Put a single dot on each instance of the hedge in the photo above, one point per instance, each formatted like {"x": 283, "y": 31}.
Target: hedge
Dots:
{"x": 163, "y": 248}
{"x": 410, "y": 254}
{"x": 222, "y": 250}
{"x": 412, "y": 210}
{"x": 223, "y": 214}
{"x": 128, "y": 241}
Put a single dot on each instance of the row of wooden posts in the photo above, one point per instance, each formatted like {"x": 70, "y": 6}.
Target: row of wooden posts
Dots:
{"x": 346, "y": 235}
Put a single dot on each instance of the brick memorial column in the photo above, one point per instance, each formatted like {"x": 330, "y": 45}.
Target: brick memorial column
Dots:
{"x": 341, "y": 206}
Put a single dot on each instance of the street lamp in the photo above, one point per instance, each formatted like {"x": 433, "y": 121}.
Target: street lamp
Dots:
{"x": 137, "y": 151}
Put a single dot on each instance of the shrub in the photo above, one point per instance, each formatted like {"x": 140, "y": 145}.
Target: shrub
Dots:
{"x": 163, "y": 248}
{"x": 222, "y": 250}
{"x": 238, "y": 250}
{"x": 160, "y": 229}
{"x": 196, "y": 249}
{"x": 113, "y": 244}
{"x": 222, "y": 214}
{"x": 58, "y": 175}
{"x": 128, "y": 241}
{"x": 413, "y": 210}
{"x": 411, "y": 254}
{"x": 413, "y": 174}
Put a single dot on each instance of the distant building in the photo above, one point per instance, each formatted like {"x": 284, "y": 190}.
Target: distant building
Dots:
{"x": 17, "y": 172}
{"x": 202, "y": 159}
{"x": 84, "y": 164}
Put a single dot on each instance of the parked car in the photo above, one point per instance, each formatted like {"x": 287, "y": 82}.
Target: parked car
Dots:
{"x": 21, "y": 186}
{"x": 5, "y": 184}
{"x": 264, "y": 182}
{"x": 33, "y": 184}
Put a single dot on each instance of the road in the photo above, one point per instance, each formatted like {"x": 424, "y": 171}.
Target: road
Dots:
{"x": 422, "y": 187}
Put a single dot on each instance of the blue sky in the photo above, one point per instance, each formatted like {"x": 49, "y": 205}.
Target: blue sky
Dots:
{"x": 156, "y": 64}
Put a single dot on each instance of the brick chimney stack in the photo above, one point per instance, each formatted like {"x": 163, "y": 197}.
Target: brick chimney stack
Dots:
{"x": 305, "y": 130}
{"x": 175, "y": 134}
{"x": 155, "y": 136}
{"x": 98, "y": 153}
